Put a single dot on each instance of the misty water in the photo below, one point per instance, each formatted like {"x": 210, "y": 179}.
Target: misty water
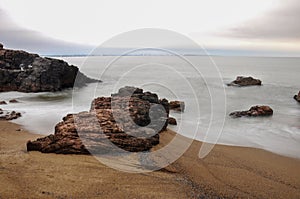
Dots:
{"x": 200, "y": 81}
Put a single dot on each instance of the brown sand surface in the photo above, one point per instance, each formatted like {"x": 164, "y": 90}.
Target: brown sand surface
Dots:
{"x": 229, "y": 172}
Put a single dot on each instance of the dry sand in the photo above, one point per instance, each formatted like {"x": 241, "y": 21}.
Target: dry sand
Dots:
{"x": 229, "y": 172}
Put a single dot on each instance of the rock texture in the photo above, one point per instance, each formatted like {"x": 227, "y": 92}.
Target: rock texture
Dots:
{"x": 254, "y": 111}
{"x": 297, "y": 97}
{"x": 130, "y": 120}
{"x": 177, "y": 106}
{"x": 6, "y": 115}
{"x": 26, "y": 72}
{"x": 245, "y": 81}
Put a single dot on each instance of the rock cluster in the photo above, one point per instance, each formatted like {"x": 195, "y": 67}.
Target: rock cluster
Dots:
{"x": 130, "y": 120}
{"x": 26, "y": 72}
{"x": 245, "y": 81}
{"x": 6, "y": 115}
{"x": 253, "y": 112}
{"x": 297, "y": 97}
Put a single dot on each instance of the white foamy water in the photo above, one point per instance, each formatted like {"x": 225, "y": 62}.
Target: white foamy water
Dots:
{"x": 173, "y": 79}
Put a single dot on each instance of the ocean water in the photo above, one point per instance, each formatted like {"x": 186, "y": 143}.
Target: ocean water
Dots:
{"x": 200, "y": 81}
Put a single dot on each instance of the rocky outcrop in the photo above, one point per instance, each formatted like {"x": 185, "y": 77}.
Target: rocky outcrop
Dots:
{"x": 130, "y": 120}
{"x": 297, "y": 97}
{"x": 254, "y": 111}
{"x": 6, "y": 115}
{"x": 3, "y": 102}
{"x": 245, "y": 81}
{"x": 26, "y": 72}
{"x": 177, "y": 106}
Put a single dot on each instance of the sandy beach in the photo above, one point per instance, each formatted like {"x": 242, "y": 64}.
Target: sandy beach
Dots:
{"x": 227, "y": 172}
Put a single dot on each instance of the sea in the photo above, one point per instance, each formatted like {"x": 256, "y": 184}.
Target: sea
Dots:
{"x": 199, "y": 81}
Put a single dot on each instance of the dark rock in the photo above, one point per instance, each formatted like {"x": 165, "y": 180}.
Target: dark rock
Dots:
{"x": 172, "y": 121}
{"x": 13, "y": 101}
{"x": 177, "y": 106}
{"x": 245, "y": 81}
{"x": 132, "y": 123}
{"x": 297, "y": 97}
{"x": 2, "y": 102}
{"x": 26, "y": 72}
{"x": 128, "y": 91}
{"x": 1, "y": 46}
{"x": 9, "y": 115}
{"x": 254, "y": 112}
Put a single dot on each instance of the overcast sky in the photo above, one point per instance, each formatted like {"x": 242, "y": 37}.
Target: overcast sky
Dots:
{"x": 256, "y": 27}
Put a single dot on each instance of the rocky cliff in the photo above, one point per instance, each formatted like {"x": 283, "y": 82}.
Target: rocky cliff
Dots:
{"x": 26, "y": 72}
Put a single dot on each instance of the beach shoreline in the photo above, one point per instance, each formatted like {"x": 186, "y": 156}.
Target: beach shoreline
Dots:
{"x": 228, "y": 171}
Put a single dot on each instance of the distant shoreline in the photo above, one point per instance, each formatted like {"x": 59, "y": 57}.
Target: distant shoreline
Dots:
{"x": 188, "y": 55}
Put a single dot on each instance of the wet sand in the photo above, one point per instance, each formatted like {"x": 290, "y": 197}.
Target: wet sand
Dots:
{"x": 229, "y": 172}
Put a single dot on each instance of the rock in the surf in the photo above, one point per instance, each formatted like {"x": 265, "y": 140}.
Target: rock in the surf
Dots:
{"x": 26, "y": 72}
{"x": 172, "y": 121}
{"x": 13, "y": 101}
{"x": 254, "y": 111}
{"x": 245, "y": 81}
{"x": 297, "y": 97}
{"x": 6, "y": 115}
{"x": 3, "y": 102}
{"x": 177, "y": 106}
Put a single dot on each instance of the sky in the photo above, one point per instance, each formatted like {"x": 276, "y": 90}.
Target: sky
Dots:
{"x": 232, "y": 27}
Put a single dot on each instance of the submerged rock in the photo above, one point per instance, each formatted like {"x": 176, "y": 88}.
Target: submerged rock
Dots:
{"x": 254, "y": 111}
{"x": 131, "y": 120}
{"x": 2, "y": 102}
{"x": 245, "y": 81}
{"x": 297, "y": 97}
{"x": 26, "y": 72}
{"x": 177, "y": 106}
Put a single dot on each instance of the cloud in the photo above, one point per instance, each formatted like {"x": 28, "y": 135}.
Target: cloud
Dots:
{"x": 282, "y": 24}
{"x": 16, "y": 37}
